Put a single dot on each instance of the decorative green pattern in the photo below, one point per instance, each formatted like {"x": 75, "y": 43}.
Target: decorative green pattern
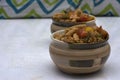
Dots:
{"x": 86, "y": 8}
{"x": 17, "y": 4}
{"x": 50, "y": 3}
{"x": 46, "y": 8}
{"x": 108, "y": 8}
{"x": 32, "y": 13}
{"x": 3, "y": 13}
{"x": 76, "y": 1}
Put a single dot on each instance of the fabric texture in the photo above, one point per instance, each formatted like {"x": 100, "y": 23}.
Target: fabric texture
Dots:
{"x": 46, "y": 8}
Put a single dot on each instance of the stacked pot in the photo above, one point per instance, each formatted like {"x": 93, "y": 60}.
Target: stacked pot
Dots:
{"x": 77, "y": 58}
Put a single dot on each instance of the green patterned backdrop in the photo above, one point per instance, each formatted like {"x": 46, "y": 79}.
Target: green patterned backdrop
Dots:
{"x": 46, "y": 8}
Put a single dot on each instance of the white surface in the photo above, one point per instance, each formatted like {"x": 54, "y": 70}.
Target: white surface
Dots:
{"x": 24, "y": 51}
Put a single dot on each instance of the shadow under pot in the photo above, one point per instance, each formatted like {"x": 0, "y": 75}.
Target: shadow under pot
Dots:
{"x": 60, "y": 25}
{"x": 82, "y": 59}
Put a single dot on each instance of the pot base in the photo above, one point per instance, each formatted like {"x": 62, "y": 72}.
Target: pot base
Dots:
{"x": 75, "y": 62}
{"x": 70, "y": 70}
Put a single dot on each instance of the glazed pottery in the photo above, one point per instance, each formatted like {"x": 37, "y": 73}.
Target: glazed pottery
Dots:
{"x": 57, "y": 25}
{"x": 78, "y": 58}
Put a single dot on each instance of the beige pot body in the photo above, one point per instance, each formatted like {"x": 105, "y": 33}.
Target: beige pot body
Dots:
{"x": 79, "y": 61}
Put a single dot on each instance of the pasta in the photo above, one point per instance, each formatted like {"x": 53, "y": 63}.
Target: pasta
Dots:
{"x": 82, "y": 34}
{"x": 72, "y": 16}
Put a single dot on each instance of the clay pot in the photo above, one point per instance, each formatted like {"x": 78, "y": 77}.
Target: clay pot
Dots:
{"x": 78, "y": 58}
{"x": 60, "y": 25}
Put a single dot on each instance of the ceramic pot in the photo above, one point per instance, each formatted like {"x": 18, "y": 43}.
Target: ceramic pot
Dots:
{"x": 79, "y": 58}
{"x": 60, "y": 25}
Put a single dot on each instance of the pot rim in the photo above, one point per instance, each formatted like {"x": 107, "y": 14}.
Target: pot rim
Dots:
{"x": 66, "y": 24}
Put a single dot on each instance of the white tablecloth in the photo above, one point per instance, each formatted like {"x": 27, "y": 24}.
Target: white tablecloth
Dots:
{"x": 24, "y": 51}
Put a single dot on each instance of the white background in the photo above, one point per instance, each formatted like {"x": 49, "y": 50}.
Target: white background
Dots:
{"x": 24, "y": 51}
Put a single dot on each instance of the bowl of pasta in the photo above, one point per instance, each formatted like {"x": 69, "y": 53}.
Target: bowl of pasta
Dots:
{"x": 71, "y": 18}
{"x": 80, "y": 49}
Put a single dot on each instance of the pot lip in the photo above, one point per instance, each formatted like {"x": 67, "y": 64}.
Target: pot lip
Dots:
{"x": 54, "y": 21}
{"x": 80, "y": 44}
